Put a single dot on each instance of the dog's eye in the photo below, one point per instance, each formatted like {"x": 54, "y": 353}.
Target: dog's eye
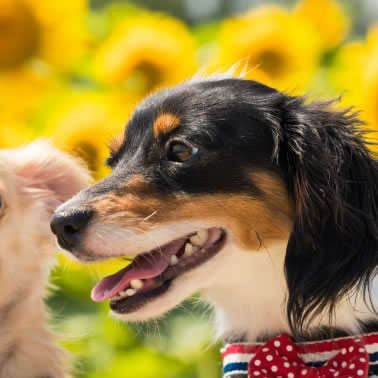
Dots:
{"x": 180, "y": 152}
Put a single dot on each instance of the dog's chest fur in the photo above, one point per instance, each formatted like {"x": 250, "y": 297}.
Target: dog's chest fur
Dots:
{"x": 249, "y": 298}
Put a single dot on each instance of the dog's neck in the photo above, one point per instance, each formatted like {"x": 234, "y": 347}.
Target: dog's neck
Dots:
{"x": 249, "y": 296}
{"x": 27, "y": 346}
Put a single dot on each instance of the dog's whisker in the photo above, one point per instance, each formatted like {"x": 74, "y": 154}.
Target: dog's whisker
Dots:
{"x": 150, "y": 216}
{"x": 157, "y": 244}
{"x": 266, "y": 202}
{"x": 158, "y": 248}
{"x": 94, "y": 274}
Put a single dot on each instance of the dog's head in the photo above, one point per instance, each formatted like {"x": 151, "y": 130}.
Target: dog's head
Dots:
{"x": 213, "y": 167}
{"x": 34, "y": 181}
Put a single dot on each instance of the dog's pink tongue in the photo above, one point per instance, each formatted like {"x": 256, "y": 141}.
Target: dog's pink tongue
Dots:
{"x": 143, "y": 267}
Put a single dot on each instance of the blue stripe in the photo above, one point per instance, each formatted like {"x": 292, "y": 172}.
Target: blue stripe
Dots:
{"x": 373, "y": 357}
{"x": 235, "y": 366}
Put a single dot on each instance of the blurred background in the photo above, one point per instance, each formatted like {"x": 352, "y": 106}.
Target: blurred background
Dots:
{"x": 73, "y": 71}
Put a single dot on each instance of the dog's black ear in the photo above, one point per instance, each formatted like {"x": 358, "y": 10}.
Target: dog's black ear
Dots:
{"x": 333, "y": 248}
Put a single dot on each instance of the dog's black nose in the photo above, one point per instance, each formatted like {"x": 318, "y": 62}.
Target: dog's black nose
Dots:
{"x": 67, "y": 225}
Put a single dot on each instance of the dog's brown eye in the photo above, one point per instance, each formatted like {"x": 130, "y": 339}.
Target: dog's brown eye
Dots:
{"x": 180, "y": 152}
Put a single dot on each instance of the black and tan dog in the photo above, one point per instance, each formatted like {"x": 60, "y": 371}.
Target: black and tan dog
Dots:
{"x": 265, "y": 203}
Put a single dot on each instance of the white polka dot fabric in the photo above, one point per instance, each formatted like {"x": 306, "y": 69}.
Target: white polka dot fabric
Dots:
{"x": 280, "y": 357}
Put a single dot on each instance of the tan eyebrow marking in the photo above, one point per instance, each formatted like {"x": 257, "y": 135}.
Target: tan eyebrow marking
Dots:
{"x": 165, "y": 123}
{"x": 116, "y": 143}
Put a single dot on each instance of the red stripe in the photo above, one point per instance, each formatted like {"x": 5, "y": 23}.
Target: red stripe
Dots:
{"x": 331, "y": 345}
{"x": 240, "y": 349}
{"x": 370, "y": 338}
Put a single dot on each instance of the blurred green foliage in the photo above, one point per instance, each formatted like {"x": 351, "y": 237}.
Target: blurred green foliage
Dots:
{"x": 179, "y": 345}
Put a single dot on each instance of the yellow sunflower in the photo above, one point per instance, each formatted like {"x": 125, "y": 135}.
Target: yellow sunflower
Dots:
{"x": 355, "y": 69}
{"x": 84, "y": 124}
{"x": 356, "y": 73}
{"x": 327, "y": 17}
{"x": 274, "y": 46}
{"x": 147, "y": 51}
{"x": 14, "y": 134}
{"x": 349, "y": 62}
{"x": 370, "y": 78}
{"x": 49, "y": 29}
{"x": 23, "y": 89}
{"x": 371, "y": 100}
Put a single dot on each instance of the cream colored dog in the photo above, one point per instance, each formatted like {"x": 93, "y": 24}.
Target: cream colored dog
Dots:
{"x": 34, "y": 180}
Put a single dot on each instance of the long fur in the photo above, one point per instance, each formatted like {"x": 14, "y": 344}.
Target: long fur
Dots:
{"x": 33, "y": 181}
{"x": 292, "y": 183}
{"x": 333, "y": 177}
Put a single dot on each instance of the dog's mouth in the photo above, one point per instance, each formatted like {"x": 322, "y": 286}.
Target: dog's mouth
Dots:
{"x": 150, "y": 274}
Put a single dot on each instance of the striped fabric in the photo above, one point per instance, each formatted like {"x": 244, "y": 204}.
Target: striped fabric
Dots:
{"x": 236, "y": 357}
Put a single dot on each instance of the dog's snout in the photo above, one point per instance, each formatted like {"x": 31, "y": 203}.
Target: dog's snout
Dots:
{"x": 67, "y": 225}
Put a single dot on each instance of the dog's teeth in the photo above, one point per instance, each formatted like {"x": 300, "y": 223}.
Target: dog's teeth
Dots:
{"x": 203, "y": 235}
{"x": 116, "y": 297}
{"x": 136, "y": 284}
{"x": 200, "y": 238}
{"x": 195, "y": 240}
{"x": 174, "y": 260}
{"x": 123, "y": 294}
{"x": 188, "y": 249}
{"x": 130, "y": 292}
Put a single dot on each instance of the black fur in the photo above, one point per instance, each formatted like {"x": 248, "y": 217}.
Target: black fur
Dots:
{"x": 319, "y": 151}
{"x": 329, "y": 171}
{"x": 333, "y": 177}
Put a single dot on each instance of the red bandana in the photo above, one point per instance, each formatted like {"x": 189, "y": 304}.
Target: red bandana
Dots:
{"x": 347, "y": 357}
